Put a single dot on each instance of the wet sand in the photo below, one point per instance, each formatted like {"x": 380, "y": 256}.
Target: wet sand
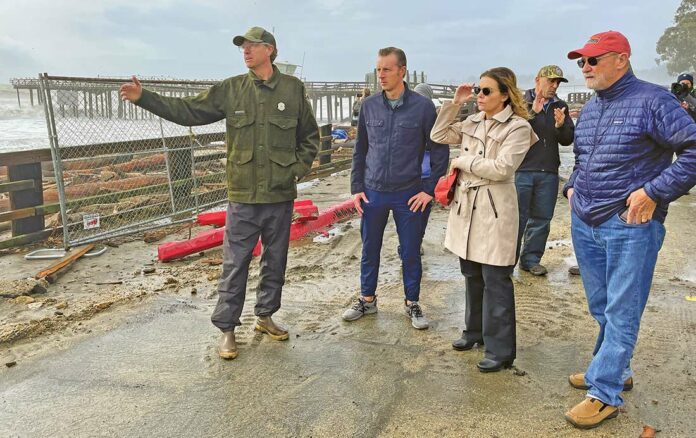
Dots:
{"x": 138, "y": 359}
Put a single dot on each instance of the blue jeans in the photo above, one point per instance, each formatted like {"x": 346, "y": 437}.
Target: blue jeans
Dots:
{"x": 536, "y": 196}
{"x": 410, "y": 230}
{"x": 616, "y": 261}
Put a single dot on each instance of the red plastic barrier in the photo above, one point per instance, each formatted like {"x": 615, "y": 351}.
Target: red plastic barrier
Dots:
{"x": 212, "y": 238}
{"x": 306, "y": 210}
{"x": 207, "y": 239}
{"x": 304, "y": 207}
{"x": 212, "y": 218}
{"x": 327, "y": 217}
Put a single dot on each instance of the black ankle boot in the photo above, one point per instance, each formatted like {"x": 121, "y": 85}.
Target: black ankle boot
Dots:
{"x": 491, "y": 366}
{"x": 463, "y": 344}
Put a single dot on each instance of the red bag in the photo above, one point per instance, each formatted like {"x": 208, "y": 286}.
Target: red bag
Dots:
{"x": 444, "y": 190}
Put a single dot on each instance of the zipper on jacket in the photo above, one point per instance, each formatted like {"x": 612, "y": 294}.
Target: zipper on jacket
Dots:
{"x": 392, "y": 132}
{"x": 490, "y": 197}
{"x": 594, "y": 146}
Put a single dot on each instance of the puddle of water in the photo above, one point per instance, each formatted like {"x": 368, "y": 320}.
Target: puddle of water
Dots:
{"x": 308, "y": 184}
{"x": 330, "y": 235}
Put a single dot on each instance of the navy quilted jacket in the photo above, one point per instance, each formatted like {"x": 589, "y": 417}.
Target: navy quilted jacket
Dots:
{"x": 626, "y": 139}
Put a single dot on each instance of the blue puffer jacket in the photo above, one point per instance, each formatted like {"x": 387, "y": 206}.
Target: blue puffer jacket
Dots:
{"x": 391, "y": 143}
{"x": 625, "y": 139}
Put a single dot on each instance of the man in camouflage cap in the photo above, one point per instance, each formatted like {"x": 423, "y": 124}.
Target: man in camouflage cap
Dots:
{"x": 272, "y": 139}
{"x": 537, "y": 177}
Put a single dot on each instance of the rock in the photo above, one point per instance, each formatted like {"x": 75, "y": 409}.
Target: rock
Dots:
{"x": 171, "y": 280}
{"x": 62, "y": 305}
{"x": 10, "y": 364}
{"x": 58, "y": 313}
{"x": 36, "y": 305}
{"x": 17, "y": 288}
{"x": 148, "y": 270}
{"x": 194, "y": 291}
{"x": 23, "y": 300}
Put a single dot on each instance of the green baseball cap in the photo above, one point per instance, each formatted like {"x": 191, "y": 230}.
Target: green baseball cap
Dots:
{"x": 255, "y": 35}
{"x": 551, "y": 72}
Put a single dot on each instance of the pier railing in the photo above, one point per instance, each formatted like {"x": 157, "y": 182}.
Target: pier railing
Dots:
{"x": 114, "y": 169}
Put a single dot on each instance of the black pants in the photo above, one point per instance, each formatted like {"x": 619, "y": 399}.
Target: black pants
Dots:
{"x": 490, "y": 308}
{"x": 245, "y": 223}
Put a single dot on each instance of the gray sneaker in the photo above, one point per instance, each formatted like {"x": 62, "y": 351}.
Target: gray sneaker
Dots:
{"x": 414, "y": 311}
{"x": 359, "y": 309}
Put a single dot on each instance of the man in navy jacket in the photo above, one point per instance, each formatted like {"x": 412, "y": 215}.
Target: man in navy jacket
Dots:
{"x": 393, "y": 134}
{"x": 622, "y": 183}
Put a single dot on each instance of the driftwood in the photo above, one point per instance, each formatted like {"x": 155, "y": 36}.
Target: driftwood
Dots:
{"x": 94, "y": 188}
{"x": 67, "y": 260}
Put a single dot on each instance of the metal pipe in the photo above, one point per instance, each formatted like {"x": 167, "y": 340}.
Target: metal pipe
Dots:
{"x": 55, "y": 155}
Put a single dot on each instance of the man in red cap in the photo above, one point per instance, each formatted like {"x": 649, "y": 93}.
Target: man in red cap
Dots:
{"x": 622, "y": 183}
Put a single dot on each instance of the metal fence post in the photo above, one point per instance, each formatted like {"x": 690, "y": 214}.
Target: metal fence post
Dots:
{"x": 325, "y": 136}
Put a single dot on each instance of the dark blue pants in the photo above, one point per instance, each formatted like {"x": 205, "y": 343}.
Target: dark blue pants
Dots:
{"x": 536, "y": 196}
{"x": 410, "y": 230}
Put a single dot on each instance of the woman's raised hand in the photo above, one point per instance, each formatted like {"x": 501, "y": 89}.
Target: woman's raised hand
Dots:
{"x": 463, "y": 93}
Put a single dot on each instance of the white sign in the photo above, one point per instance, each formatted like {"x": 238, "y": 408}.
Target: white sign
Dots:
{"x": 90, "y": 221}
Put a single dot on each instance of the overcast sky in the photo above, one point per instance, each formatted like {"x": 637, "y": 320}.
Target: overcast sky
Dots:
{"x": 449, "y": 40}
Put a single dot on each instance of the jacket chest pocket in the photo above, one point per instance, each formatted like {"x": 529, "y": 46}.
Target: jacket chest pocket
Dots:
{"x": 241, "y": 131}
{"x": 282, "y": 142}
{"x": 240, "y": 171}
{"x": 281, "y": 132}
{"x": 408, "y": 127}
{"x": 376, "y": 131}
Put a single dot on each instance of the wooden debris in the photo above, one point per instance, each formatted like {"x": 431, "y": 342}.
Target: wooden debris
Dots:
{"x": 212, "y": 261}
{"x": 67, "y": 260}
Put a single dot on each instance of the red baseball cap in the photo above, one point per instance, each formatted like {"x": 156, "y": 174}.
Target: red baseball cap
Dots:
{"x": 601, "y": 43}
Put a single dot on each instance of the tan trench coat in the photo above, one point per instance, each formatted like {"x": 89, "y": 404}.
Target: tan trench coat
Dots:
{"x": 484, "y": 217}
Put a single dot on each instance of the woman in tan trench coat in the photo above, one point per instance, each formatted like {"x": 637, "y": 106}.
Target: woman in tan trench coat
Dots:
{"x": 484, "y": 221}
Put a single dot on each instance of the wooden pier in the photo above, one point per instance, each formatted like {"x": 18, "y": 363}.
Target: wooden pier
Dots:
{"x": 98, "y": 97}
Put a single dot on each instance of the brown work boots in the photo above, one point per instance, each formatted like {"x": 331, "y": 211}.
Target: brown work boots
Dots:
{"x": 590, "y": 413}
{"x": 578, "y": 381}
{"x": 228, "y": 347}
{"x": 265, "y": 324}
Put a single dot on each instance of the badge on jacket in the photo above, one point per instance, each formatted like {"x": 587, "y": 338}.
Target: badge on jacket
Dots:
{"x": 281, "y": 106}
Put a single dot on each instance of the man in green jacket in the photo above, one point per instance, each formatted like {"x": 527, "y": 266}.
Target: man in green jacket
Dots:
{"x": 272, "y": 139}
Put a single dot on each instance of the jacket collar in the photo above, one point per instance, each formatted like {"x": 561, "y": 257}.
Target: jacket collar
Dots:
{"x": 475, "y": 130}
{"x": 270, "y": 82}
{"x": 626, "y": 81}
{"x": 404, "y": 97}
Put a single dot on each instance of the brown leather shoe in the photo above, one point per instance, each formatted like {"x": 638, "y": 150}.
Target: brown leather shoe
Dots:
{"x": 228, "y": 347}
{"x": 590, "y": 413}
{"x": 578, "y": 381}
{"x": 265, "y": 324}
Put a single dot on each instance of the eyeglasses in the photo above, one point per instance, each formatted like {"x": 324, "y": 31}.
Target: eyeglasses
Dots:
{"x": 485, "y": 90}
{"x": 593, "y": 60}
{"x": 249, "y": 45}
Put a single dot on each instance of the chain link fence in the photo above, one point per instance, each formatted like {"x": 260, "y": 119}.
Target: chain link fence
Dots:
{"x": 118, "y": 169}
